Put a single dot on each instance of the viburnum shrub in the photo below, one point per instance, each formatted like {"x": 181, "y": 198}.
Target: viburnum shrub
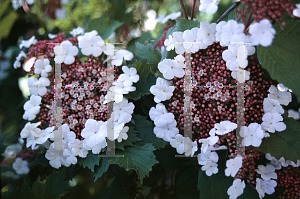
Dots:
{"x": 218, "y": 94}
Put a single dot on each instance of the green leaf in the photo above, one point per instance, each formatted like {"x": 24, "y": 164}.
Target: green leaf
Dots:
{"x": 104, "y": 25}
{"x": 285, "y": 143}
{"x": 132, "y": 138}
{"x": 147, "y": 79}
{"x": 3, "y": 7}
{"x": 6, "y": 24}
{"x": 214, "y": 186}
{"x": 282, "y": 58}
{"x": 142, "y": 39}
{"x": 90, "y": 161}
{"x": 249, "y": 193}
{"x": 53, "y": 187}
{"x": 139, "y": 157}
{"x": 145, "y": 131}
{"x": 25, "y": 191}
{"x": 181, "y": 25}
{"x": 186, "y": 183}
{"x": 147, "y": 51}
{"x": 104, "y": 165}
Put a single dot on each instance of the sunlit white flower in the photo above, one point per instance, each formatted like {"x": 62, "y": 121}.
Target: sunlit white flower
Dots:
{"x": 224, "y": 127}
{"x": 20, "y": 166}
{"x": 171, "y": 16}
{"x": 253, "y": 134}
{"x": 232, "y": 32}
{"x": 240, "y": 75}
{"x": 162, "y": 90}
{"x": 123, "y": 111}
{"x": 42, "y": 137}
{"x": 210, "y": 168}
{"x": 42, "y": 67}
{"x": 170, "y": 69}
{"x": 190, "y": 44}
{"x": 180, "y": 60}
{"x": 182, "y": 145}
{"x": 63, "y": 136}
{"x": 262, "y": 33}
{"x": 28, "y": 43}
{"x": 206, "y": 33}
{"x": 167, "y": 132}
{"x": 231, "y": 57}
{"x": 266, "y": 172}
{"x": 77, "y": 145}
{"x": 208, "y": 6}
{"x": 32, "y": 107}
{"x": 113, "y": 129}
{"x": 209, "y": 161}
{"x": 160, "y": 116}
{"x": 51, "y": 36}
{"x": 272, "y": 106}
{"x": 284, "y": 97}
{"x": 65, "y": 52}
{"x": 38, "y": 86}
{"x": 17, "y": 63}
{"x": 91, "y": 43}
{"x": 70, "y": 156}
{"x": 233, "y": 166}
{"x": 120, "y": 55}
{"x": 296, "y": 11}
{"x": 207, "y": 142}
{"x": 123, "y": 134}
{"x": 56, "y": 157}
{"x": 120, "y": 88}
{"x": 236, "y": 189}
{"x": 77, "y": 31}
{"x": 94, "y": 132}
{"x": 219, "y": 27}
{"x": 272, "y": 122}
{"x": 26, "y": 131}
{"x": 129, "y": 76}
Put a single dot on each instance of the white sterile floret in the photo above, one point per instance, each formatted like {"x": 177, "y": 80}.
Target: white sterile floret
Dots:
{"x": 284, "y": 97}
{"x": 94, "y": 132}
{"x": 183, "y": 145}
{"x": 190, "y": 44}
{"x": 129, "y": 77}
{"x": 224, "y": 127}
{"x": 266, "y": 172}
{"x": 123, "y": 111}
{"x": 65, "y": 53}
{"x": 253, "y": 134}
{"x": 232, "y": 32}
{"x": 240, "y": 75}
{"x": 56, "y": 157}
{"x": 236, "y": 189}
{"x": 175, "y": 41}
{"x": 162, "y": 90}
{"x": 167, "y": 132}
{"x": 120, "y": 88}
{"x": 120, "y": 55}
{"x": 206, "y": 33}
{"x": 274, "y": 162}
{"x": 70, "y": 156}
{"x": 259, "y": 189}
{"x": 297, "y": 164}
{"x": 284, "y": 162}
{"x": 272, "y": 122}
{"x": 17, "y": 63}
{"x": 296, "y": 11}
{"x": 233, "y": 166}
{"x": 91, "y": 43}
{"x": 20, "y": 166}
{"x": 268, "y": 186}
{"x": 262, "y": 33}
{"x": 294, "y": 114}
{"x": 42, "y": 137}
{"x": 170, "y": 68}
{"x": 77, "y": 31}
{"x": 32, "y": 107}
{"x": 42, "y": 67}
{"x": 192, "y": 148}
{"x": 123, "y": 134}
{"x": 28, "y": 43}
{"x": 63, "y": 135}
{"x": 113, "y": 129}
{"x": 209, "y": 162}
{"x": 207, "y": 142}
{"x": 180, "y": 60}
{"x": 28, "y": 128}
{"x": 272, "y": 106}
{"x": 219, "y": 27}
{"x": 77, "y": 145}
{"x": 171, "y": 16}
{"x": 208, "y": 6}
{"x": 160, "y": 116}
{"x": 231, "y": 57}
{"x": 38, "y": 86}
